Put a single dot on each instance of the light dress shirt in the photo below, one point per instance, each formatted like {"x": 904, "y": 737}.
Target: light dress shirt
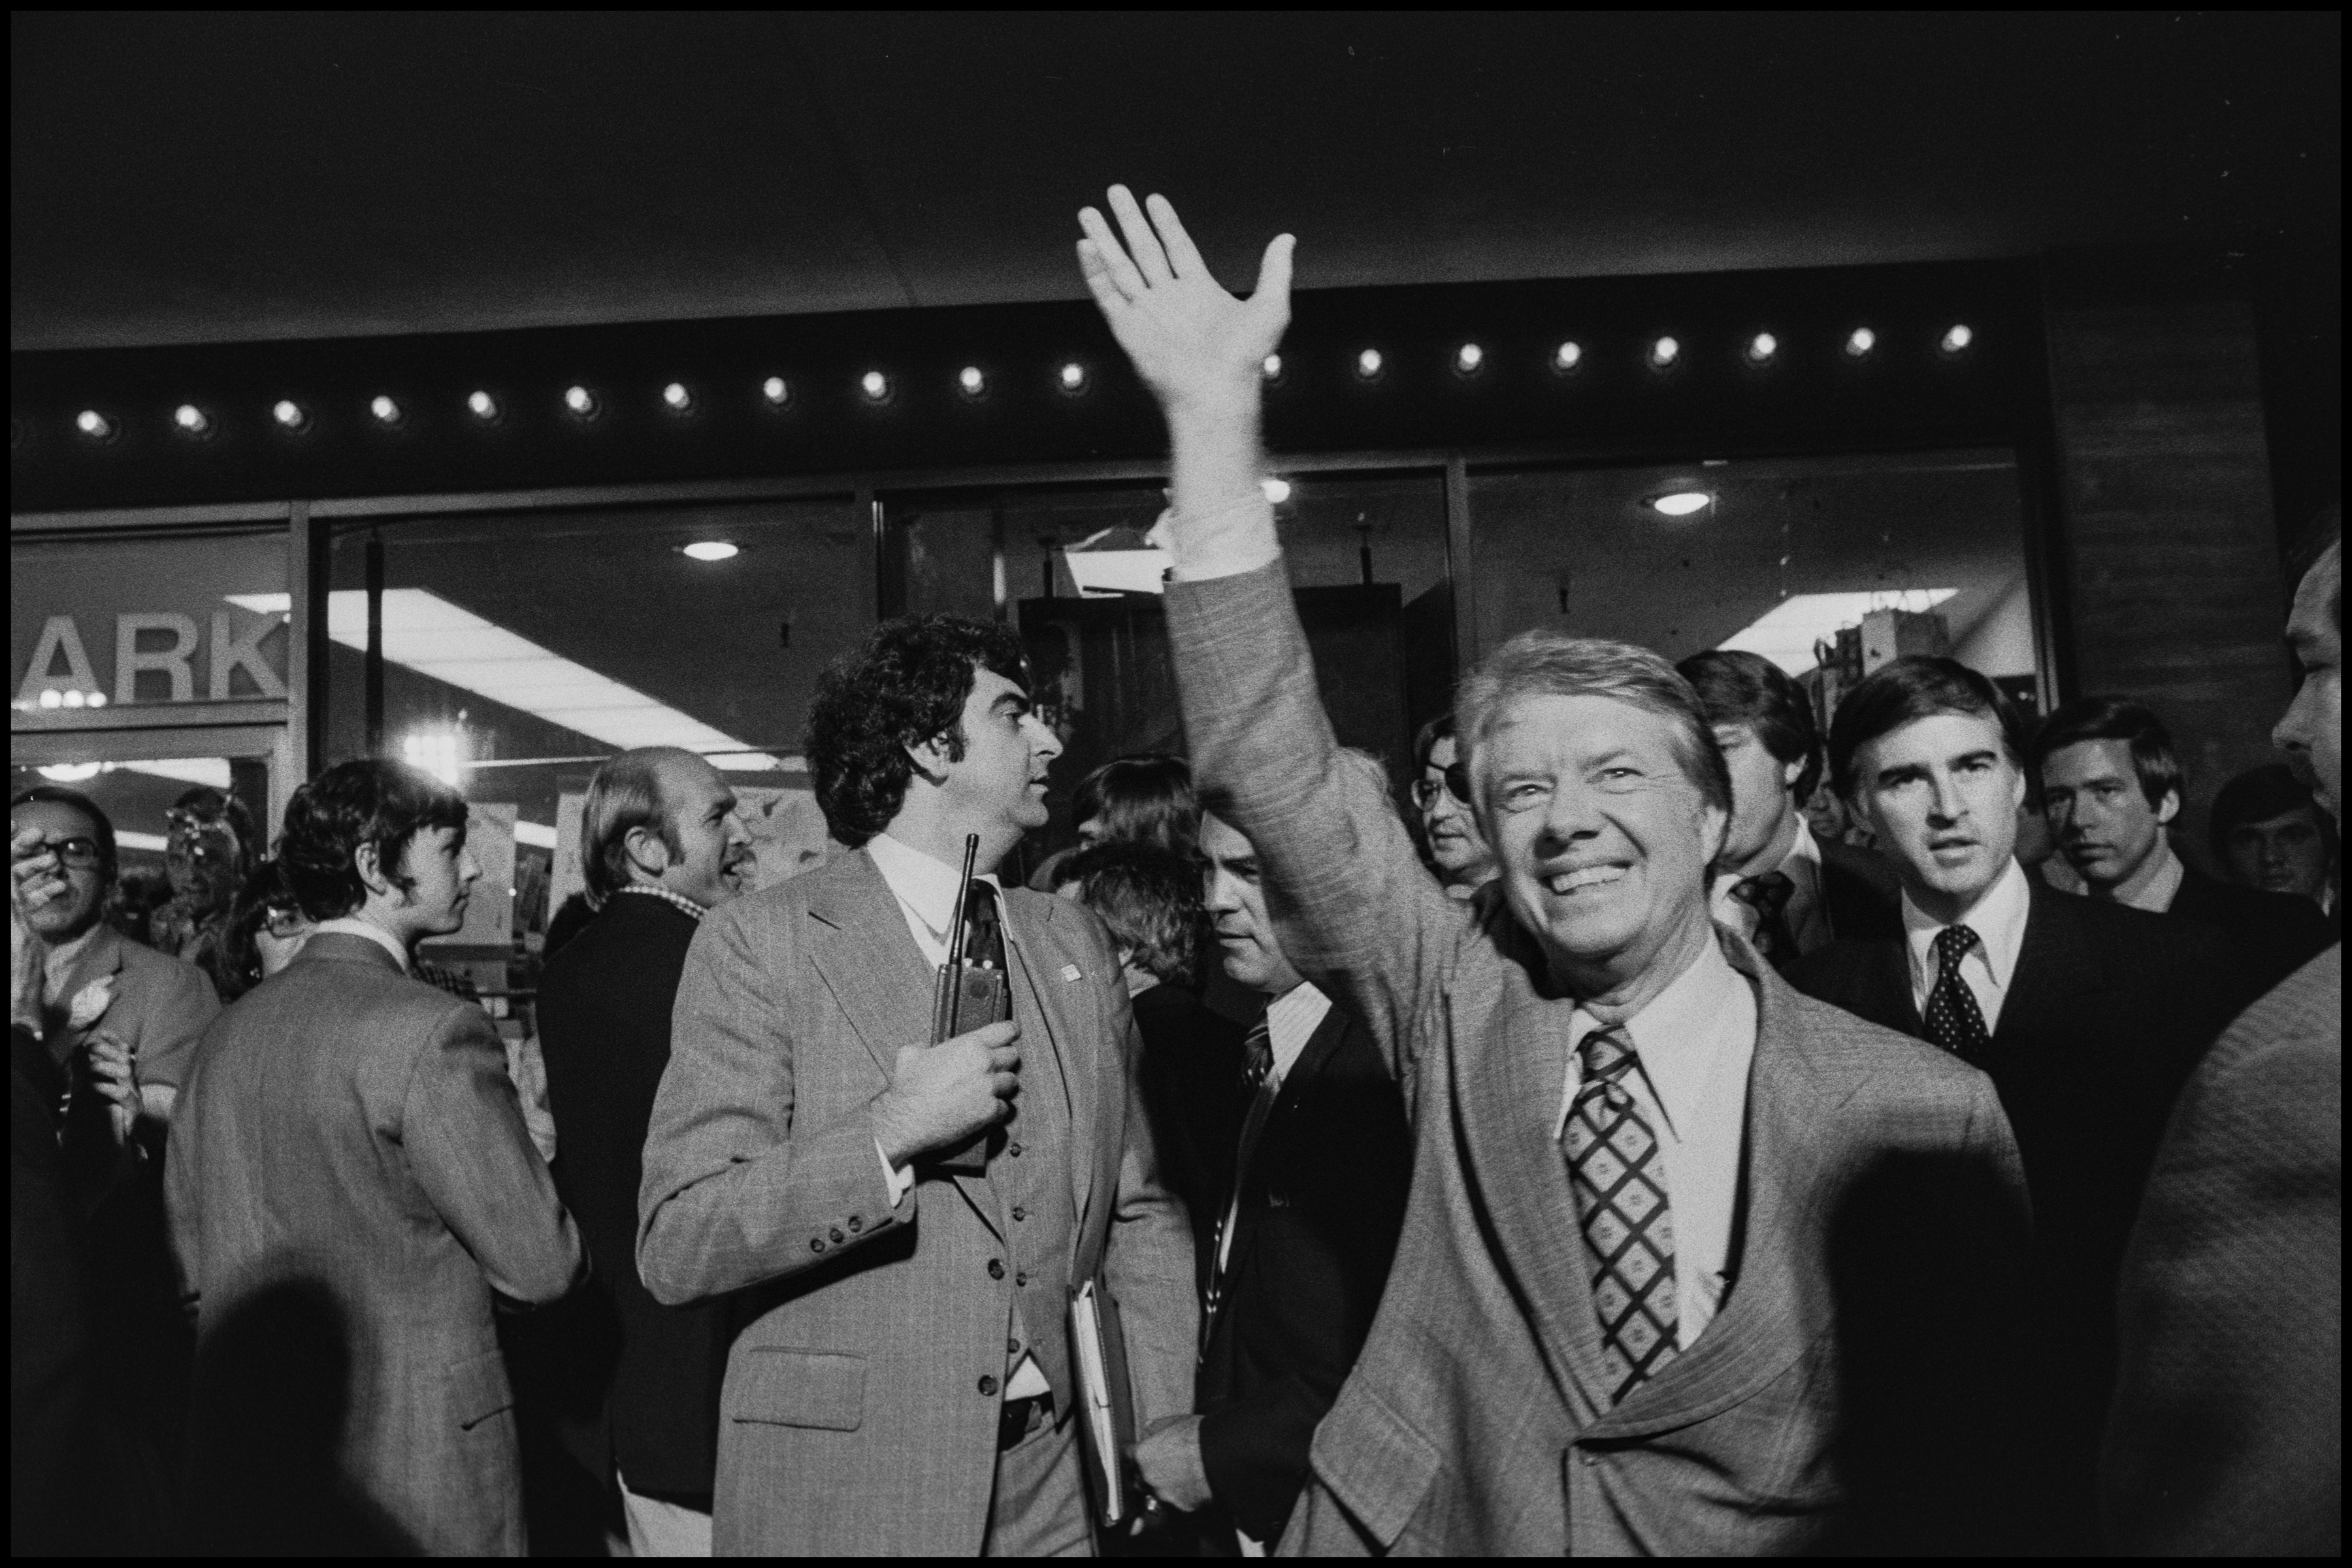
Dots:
{"x": 1693, "y": 1046}
{"x": 931, "y": 895}
{"x": 1291, "y": 1020}
{"x": 2163, "y": 885}
{"x": 1998, "y": 917}
{"x": 1808, "y": 919}
{"x": 351, "y": 925}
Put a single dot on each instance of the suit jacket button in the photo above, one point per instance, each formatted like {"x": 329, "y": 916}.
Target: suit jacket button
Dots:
{"x": 1275, "y": 1198}
{"x": 1013, "y": 1347}
{"x": 1013, "y": 1149}
{"x": 816, "y": 1243}
{"x": 987, "y": 1385}
{"x": 856, "y": 1223}
{"x": 1021, "y": 1279}
{"x": 837, "y": 1237}
{"x": 996, "y": 1268}
{"x": 1019, "y": 1212}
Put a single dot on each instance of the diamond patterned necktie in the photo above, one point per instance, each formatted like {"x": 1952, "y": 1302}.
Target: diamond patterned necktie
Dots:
{"x": 1953, "y": 1019}
{"x": 1620, "y": 1178}
{"x": 1768, "y": 895}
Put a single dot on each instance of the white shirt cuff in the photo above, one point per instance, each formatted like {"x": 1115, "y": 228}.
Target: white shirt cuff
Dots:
{"x": 1225, "y": 543}
{"x": 897, "y": 1181}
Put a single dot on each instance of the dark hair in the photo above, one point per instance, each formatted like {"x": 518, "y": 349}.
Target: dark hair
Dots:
{"x": 2323, "y": 534}
{"x": 1150, "y": 899}
{"x": 624, "y": 793}
{"x": 2259, "y": 794}
{"x": 1143, "y": 799}
{"x": 101, "y": 826}
{"x": 264, "y": 890}
{"x": 1425, "y": 739}
{"x": 2113, "y": 719}
{"x": 1736, "y": 686}
{"x": 908, "y": 684}
{"x": 1915, "y": 687}
{"x": 366, "y": 801}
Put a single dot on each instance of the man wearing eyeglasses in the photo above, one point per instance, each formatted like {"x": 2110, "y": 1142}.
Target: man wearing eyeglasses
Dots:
{"x": 1450, "y": 838}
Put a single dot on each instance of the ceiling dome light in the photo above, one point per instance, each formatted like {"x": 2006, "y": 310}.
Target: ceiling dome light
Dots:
{"x": 777, "y": 391}
{"x": 712, "y": 549}
{"x": 484, "y": 407}
{"x": 972, "y": 380}
{"x": 290, "y": 414}
{"x": 385, "y": 410}
{"x": 1073, "y": 377}
{"x": 1568, "y": 356}
{"x": 1468, "y": 358}
{"x": 1860, "y": 342}
{"x": 1664, "y": 352}
{"x": 1761, "y": 348}
{"x": 1368, "y": 364}
{"x": 1277, "y": 490}
{"x": 580, "y": 401}
{"x": 1273, "y": 367}
{"x": 875, "y": 385}
{"x": 1681, "y": 503}
{"x": 94, "y": 424}
{"x": 1957, "y": 337}
{"x": 71, "y": 773}
{"x": 191, "y": 419}
{"x": 678, "y": 397}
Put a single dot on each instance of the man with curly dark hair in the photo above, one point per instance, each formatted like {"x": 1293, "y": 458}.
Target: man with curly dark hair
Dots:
{"x": 910, "y": 1390}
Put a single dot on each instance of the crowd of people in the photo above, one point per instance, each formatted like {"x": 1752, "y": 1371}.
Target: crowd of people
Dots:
{"x": 1668, "y": 1128}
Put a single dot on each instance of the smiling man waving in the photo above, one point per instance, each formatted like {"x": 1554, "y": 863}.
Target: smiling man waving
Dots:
{"x": 1691, "y": 1264}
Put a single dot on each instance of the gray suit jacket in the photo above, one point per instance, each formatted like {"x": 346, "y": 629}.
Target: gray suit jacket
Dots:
{"x": 1844, "y": 1399}
{"x": 161, "y": 1004}
{"x": 860, "y": 1408}
{"x": 351, "y": 1185}
{"x": 2227, "y": 1436}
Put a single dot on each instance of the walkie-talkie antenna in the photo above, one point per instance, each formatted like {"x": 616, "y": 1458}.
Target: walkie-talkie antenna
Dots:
{"x": 963, "y": 893}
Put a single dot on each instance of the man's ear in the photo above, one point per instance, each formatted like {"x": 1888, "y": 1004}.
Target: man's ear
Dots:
{"x": 646, "y": 850}
{"x": 368, "y": 861}
{"x": 1714, "y": 830}
{"x": 2167, "y": 808}
{"x": 930, "y": 758}
{"x": 1789, "y": 774}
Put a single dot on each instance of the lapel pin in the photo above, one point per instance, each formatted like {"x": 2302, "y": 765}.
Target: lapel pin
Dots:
{"x": 1070, "y": 972}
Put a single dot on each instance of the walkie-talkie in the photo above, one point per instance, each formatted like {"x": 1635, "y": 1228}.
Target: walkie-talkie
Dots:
{"x": 971, "y": 994}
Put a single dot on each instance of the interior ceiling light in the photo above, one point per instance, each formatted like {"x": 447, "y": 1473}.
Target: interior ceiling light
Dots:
{"x": 1665, "y": 351}
{"x": 875, "y": 385}
{"x": 385, "y": 410}
{"x": 677, "y": 396}
{"x": 712, "y": 549}
{"x": 1368, "y": 363}
{"x": 1958, "y": 336}
{"x": 1681, "y": 503}
{"x": 1277, "y": 490}
{"x": 1073, "y": 377}
{"x": 66, "y": 697}
{"x": 70, "y": 772}
{"x": 1762, "y": 347}
{"x": 1273, "y": 367}
{"x": 1468, "y": 358}
{"x": 94, "y": 424}
{"x": 972, "y": 380}
{"x": 212, "y": 771}
{"x": 1787, "y": 632}
{"x": 191, "y": 419}
{"x": 484, "y": 406}
{"x": 580, "y": 401}
{"x": 290, "y": 414}
{"x": 776, "y": 390}
{"x": 1568, "y": 356}
{"x": 427, "y": 634}
{"x": 1860, "y": 342}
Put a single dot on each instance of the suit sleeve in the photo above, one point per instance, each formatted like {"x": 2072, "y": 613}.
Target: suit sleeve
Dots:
{"x": 734, "y": 1193}
{"x": 182, "y": 1010}
{"x": 463, "y": 1131}
{"x": 1359, "y": 915}
{"x": 1148, "y": 1253}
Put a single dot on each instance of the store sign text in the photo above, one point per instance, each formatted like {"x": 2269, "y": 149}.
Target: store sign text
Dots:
{"x": 164, "y": 646}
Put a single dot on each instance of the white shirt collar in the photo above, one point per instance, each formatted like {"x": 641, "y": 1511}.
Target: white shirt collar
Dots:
{"x": 1291, "y": 1020}
{"x": 929, "y": 888}
{"x": 1998, "y": 918}
{"x": 351, "y": 925}
{"x": 676, "y": 900}
{"x": 1672, "y": 1035}
{"x": 2163, "y": 886}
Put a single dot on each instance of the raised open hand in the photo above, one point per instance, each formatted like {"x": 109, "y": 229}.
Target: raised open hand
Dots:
{"x": 1197, "y": 347}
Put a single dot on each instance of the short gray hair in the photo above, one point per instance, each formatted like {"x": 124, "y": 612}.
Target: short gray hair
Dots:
{"x": 624, "y": 795}
{"x": 1550, "y": 664}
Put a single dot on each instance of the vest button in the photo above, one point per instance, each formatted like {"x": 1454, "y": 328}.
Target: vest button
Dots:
{"x": 837, "y": 1237}
{"x": 1013, "y": 1149}
{"x": 1019, "y": 1212}
{"x": 1021, "y": 1279}
{"x": 816, "y": 1243}
{"x": 1013, "y": 1347}
{"x": 856, "y": 1223}
{"x": 996, "y": 1268}
{"x": 987, "y": 1385}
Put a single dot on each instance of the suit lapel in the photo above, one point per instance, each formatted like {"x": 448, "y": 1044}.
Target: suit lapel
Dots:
{"x": 1039, "y": 1008}
{"x": 100, "y": 959}
{"x": 2058, "y": 973}
{"x": 1295, "y": 1084}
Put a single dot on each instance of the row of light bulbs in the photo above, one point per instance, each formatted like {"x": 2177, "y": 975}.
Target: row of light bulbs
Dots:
{"x": 1663, "y": 353}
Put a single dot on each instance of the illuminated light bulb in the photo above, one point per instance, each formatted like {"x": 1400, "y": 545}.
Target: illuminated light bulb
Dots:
{"x": 1860, "y": 342}
{"x": 484, "y": 405}
{"x": 1761, "y": 348}
{"x": 1681, "y": 503}
{"x": 53, "y": 698}
{"x": 1468, "y": 358}
{"x": 1568, "y": 356}
{"x": 74, "y": 697}
{"x": 290, "y": 414}
{"x": 776, "y": 390}
{"x": 973, "y": 382}
{"x": 1273, "y": 367}
{"x": 97, "y": 699}
{"x": 1277, "y": 490}
{"x": 385, "y": 410}
{"x": 874, "y": 384}
{"x": 1958, "y": 336}
{"x": 191, "y": 419}
{"x": 712, "y": 549}
{"x": 677, "y": 396}
{"x": 94, "y": 424}
{"x": 1664, "y": 352}
{"x": 1073, "y": 377}
{"x": 580, "y": 401}
{"x": 1368, "y": 363}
